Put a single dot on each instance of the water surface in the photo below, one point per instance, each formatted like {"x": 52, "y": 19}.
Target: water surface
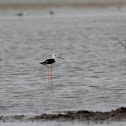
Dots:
{"x": 92, "y": 76}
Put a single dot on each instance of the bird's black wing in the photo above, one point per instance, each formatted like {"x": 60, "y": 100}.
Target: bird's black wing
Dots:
{"x": 48, "y": 61}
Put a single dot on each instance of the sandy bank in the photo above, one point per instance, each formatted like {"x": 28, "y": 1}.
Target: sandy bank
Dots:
{"x": 47, "y": 5}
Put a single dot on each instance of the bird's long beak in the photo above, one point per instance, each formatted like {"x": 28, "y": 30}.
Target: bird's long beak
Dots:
{"x": 60, "y": 57}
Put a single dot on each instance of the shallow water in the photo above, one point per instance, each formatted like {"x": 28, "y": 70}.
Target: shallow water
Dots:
{"x": 92, "y": 76}
{"x": 54, "y": 123}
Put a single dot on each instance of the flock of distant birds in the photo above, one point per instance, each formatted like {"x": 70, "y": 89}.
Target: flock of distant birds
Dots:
{"x": 20, "y": 14}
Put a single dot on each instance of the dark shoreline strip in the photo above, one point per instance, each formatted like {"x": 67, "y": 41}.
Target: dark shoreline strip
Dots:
{"x": 82, "y": 115}
{"x": 60, "y": 4}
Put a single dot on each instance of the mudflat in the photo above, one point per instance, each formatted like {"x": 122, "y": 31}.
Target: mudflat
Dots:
{"x": 82, "y": 115}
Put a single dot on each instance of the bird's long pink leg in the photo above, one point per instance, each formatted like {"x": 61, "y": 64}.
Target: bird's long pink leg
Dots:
{"x": 48, "y": 75}
{"x": 51, "y": 76}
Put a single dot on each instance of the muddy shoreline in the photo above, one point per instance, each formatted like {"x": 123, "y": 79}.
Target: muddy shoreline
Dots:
{"x": 67, "y": 4}
{"x": 82, "y": 115}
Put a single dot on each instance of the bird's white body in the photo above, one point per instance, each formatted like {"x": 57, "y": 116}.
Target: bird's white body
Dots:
{"x": 48, "y": 65}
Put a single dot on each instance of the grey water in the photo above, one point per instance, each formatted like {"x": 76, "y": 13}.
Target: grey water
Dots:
{"x": 92, "y": 75}
{"x": 54, "y": 123}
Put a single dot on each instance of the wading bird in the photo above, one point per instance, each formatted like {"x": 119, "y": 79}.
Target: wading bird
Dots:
{"x": 49, "y": 64}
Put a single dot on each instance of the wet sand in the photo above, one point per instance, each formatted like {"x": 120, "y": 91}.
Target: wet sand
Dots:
{"x": 60, "y": 4}
{"x": 82, "y": 115}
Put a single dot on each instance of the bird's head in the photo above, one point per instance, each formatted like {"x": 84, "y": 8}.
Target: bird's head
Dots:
{"x": 54, "y": 57}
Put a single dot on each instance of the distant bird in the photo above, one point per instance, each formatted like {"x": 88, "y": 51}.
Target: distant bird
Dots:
{"x": 20, "y": 14}
{"x": 51, "y": 12}
{"x": 49, "y": 64}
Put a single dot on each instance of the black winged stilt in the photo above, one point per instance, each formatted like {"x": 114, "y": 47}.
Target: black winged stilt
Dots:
{"x": 49, "y": 64}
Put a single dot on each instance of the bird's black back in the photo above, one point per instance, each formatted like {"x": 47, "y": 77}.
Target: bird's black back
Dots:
{"x": 48, "y": 61}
